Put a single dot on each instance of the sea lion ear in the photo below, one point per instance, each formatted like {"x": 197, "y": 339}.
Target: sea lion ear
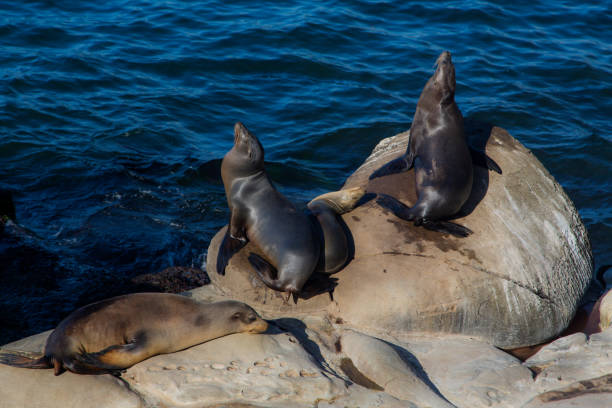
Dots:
{"x": 236, "y": 316}
{"x": 255, "y": 149}
{"x": 448, "y": 87}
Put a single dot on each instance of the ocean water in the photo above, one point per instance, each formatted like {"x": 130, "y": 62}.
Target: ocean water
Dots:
{"x": 114, "y": 117}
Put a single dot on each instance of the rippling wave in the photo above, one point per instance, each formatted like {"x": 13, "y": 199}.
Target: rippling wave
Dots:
{"x": 115, "y": 117}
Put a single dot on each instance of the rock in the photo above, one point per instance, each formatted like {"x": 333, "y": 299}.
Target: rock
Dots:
{"x": 516, "y": 281}
{"x": 201, "y": 384}
{"x": 174, "y": 279}
{"x": 360, "y": 397}
{"x": 307, "y": 367}
{"x": 591, "y": 393}
{"x": 40, "y": 388}
{"x": 384, "y": 367}
{"x": 30, "y": 388}
{"x": 467, "y": 372}
{"x": 572, "y": 359}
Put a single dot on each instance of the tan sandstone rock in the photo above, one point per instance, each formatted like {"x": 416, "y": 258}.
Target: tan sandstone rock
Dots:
{"x": 257, "y": 380}
{"x": 515, "y": 281}
{"x": 22, "y": 387}
{"x": 380, "y": 363}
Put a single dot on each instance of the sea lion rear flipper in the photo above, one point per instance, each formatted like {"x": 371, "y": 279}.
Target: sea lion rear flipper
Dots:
{"x": 264, "y": 269}
{"x": 447, "y": 227}
{"x": 18, "y": 359}
{"x": 266, "y": 273}
{"x": 394, "y": 166}
{"x": 481, "y": 159}
{"x": 229, "y": 246}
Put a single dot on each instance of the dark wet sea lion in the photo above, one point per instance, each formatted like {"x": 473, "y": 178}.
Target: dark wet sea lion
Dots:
{"x": 262, "y": 215}
{"x": 109, "y": 336}
{"x": 289, "y": 239}
{"x": 438, "y": 151}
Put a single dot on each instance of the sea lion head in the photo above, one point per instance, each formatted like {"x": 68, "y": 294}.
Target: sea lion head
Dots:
{"x": 442, "y": 83}
{"x": 240, "y": 318}
{"x": 248, "y": 145}
{"x": 245, "y": 158}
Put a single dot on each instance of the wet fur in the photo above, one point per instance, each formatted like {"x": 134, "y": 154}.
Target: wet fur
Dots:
{"x": 438, "y": 151}
{"x": 260, "y": 214}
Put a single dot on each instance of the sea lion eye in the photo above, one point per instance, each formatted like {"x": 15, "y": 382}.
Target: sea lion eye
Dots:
{"x": 252, "y": 318}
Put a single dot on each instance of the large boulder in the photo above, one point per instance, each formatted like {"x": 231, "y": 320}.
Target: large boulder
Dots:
{"x": 516, "y": 281}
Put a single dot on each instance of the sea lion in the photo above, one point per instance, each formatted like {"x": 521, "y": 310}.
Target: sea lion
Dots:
{"x": 438, "y": 151}
{"x": 333, "y": 233}
{"x": 289, "y": 239}
{"x": 109, "y": 336}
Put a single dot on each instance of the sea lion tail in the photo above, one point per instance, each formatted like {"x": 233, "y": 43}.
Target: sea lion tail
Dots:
{"x": 16, "y": 359}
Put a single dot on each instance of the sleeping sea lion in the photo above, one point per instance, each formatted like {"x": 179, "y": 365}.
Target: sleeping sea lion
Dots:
{"x": 109, "y": 336}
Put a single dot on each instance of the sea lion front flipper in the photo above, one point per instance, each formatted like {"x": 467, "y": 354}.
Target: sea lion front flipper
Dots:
{"x": 481, "y": 159}
{"x": 392, "y": 204}
{"x": 229, "y": 246}
{"x": 398, "y": 165}
{"x": 447, "y": 227}
{"x": 112, "y": 360}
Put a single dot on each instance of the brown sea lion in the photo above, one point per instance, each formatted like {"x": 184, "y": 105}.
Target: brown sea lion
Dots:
{"x": 109, "y": 336}
{"x": 438, "y": 151}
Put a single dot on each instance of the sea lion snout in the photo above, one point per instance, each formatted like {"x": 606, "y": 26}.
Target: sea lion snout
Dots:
{"x": 254, "y": 323}
{"x": 259, "y": 325}
{"x": 444, "y": 79}
{"x": 245, "y": 318}
{"x": 240, "y": 132}
{"x": 444, "y": 58}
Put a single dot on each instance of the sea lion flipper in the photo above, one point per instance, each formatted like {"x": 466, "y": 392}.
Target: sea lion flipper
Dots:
{"x": 481, "y": 159}
{"x": 25, "y": 360}
{"x": 447, "y": 227}
{"x": 267, "y": 273}
{"x": 229, "y": 246}
{"x": 111, "y": 360}
{"x": 262, "y": 267}
{"x": 395, "y": 206}
{"x": 398, "y": 165}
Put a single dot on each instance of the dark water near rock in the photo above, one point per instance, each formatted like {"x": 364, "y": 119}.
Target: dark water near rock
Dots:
{"x": 114, "y": 117}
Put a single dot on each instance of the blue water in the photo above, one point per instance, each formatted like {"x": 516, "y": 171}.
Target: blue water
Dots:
{"x": 114, "y": 117}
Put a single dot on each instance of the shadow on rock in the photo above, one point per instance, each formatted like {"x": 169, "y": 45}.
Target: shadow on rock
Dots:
{"x": 478, "y": 134}
{"x": 298, "y": 329}
{"x": 411, "y": 361}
